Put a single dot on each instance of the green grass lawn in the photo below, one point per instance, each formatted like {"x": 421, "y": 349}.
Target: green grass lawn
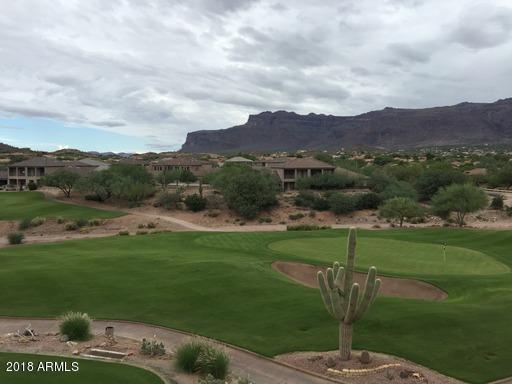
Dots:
{"x": 222, "y": 285}
{"x": 88, "y": 372}
{"x": 19, "y": 205}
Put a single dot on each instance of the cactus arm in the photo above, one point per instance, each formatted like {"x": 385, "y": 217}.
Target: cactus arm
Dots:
{"x": 338, "y": 281}
{"x": 326, "y": 297}
{"x": 337, "y": 305}
{"x": 330, "y": 278}
{"x": 353, "y": 303}
{"x": 369, "y": 293}
{"x": 335, "y": 268}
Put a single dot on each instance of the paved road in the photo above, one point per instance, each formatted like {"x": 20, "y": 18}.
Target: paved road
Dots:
{"x": 260, "y": 369}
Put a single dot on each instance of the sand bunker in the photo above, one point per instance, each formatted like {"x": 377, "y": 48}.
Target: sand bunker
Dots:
{"x": 305, "y": 274}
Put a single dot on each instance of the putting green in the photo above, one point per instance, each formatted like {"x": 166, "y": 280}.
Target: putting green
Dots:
{"x": 395, "y": 256}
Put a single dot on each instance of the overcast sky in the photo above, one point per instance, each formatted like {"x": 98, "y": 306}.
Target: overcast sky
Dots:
{"x": 149, "y": 71}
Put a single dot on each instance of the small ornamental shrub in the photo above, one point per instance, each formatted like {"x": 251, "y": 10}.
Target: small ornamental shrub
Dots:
{"x": 209, "y": 379}
{"x": 169, "y": 200}
{"x": 95, "y": 222}
{"x": 15, "y": 238}
{"x": 498, "y": 202}
{"x": 151, "y": 225}
{"x": 37, "y": 221}
{"x": 214, "y": 201}
{"x": 245, "y": 380}
{"x": 265, "y": 220}
{"x": 71, "y": 226}
{"x": 187, "y": 355}
{"x": 213, "y": 361}
{"x": 296, "y": 216}
{"x": 368, "y": 201}
{"x": 141, "y": 232}
{"x": 60, "y": 220}
{"x": 32, "y": 186}
{"x": 124, "y": 233}
{"x": 152, "y": 348}
{"x": 195, "y": 203}
{"x": 320, "y": 204}
{"x": 76, "y": 326}
{"x": 341, "y": 203}
{"x": 81, "y": 222}
{"x": 25, "y": 223}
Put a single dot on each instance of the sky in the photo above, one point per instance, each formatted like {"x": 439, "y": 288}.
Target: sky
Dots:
{"x": 137, "y": 75}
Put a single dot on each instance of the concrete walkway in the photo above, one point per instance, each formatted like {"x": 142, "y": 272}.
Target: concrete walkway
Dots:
{"x": 243, "y": 363}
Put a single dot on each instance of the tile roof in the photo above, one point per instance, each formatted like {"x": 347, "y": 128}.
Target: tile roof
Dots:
{"x": 299, "y": 163}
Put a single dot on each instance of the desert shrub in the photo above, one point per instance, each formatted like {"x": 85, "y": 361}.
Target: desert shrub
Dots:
{"x": 32, "y": 186}
{"x": 37, "y": 221}
{"x": 379, "y": 180}
{"x": 245, "y": 380}
{"x": 81, "y": 222}
{"x": 94, "y": 197}
{"x": 430, "y": 181}
{"x": 187, "y": 355}
{"x": 195, "y": 203}
{"x": 124, "y": 233}
{"x": 151, "y": 225}
{"x": 152, "y": 348}
{"x": 246, "y": 190}
{"x": 141, "y": 232}
{"x": 304, "y": 199}
{"x": 368, "y": 201}
{"x": 341, "y": 203}
{"x": 213, "y": 213}
{"x": 169, "y": 200}
{"x": 325, "y": 181}
{"x": 265, "y": 220}
{"x": 76, "y": 326}
{"x": 399, "y": 189}
{"x": 71, "y": 226}
{"x": 213, "y": 361}
{"x": 306, "y": 227}
{"x": 15, "y": 238}
{"x": 94, "y": 222}
{"x": 296, "y": 216}
{"x": 60, "y": 220}
{"x": 25, "y": 223}
{"x": 498, "y": 202}
{"x": 214, "y": 201}
{"x": 320, "y": 204}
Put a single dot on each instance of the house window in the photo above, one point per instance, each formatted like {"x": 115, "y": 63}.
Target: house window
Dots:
{"x": 289, "y": 173}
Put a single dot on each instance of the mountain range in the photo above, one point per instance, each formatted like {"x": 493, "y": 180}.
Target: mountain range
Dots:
{"x": 389, "y": 128}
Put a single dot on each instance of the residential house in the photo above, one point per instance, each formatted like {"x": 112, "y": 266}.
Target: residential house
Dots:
{"x": 239, "y": 160}
{"x": 20, "y": 174}
{"x": 292, "y": 169}
{"x": 3, "y": 176}
{"x": 198, "y": 167}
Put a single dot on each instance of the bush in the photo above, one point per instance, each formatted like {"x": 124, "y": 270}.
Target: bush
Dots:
{"x": 60, "y": 220}
{"x": 195, "y": 203}
{"x": 15, "y": 238}
{"x": 71, "y": 226}
{"x": 430, "y": 181}
{"x": 306, "y": 227}
{"x": 214, "y": 201}
{"x": 95, "y": 222}
{"x": 76, "y": 326}
{"x": 169, "y": 200}
{"x": 326, "y": 181}
{"x": 320, "y": 204}
{"x": 124, "y": 233}
{"x": 187, "y": 355}
{"x": 32, "y": 186}
{"x": 151, "y": 225}
{"x": 25, "y": 223}
{"x": 341, "y": 203}
{"x": 152, "y": 348}
{"x": 310, "y": 200}
{"x": 81, "y": 222}
{"x": 296, "y": 216}
{"x": 498, "y": 202}
{"x": 209, "y": 379}
{"x": 94, "y": 197}
{"x": 141, "y": 232}
{"x": 265, "y": 220}
{"x": 37, "y": 221}
{"x": 399, "y": 189}
{"x": 213, "y": 361}
{"x": 368, "y": 201}
{"x": 401, "y": 209}
{"x": 213, "y": 213}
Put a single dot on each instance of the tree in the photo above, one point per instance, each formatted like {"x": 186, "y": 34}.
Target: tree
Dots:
{"x": 97, "y": 184}
{"x": 399, "y": 189}
{"x": 341, "y": 203}
{"x": 166, "y": 177}
{"x": 498, "y": 202}
{"x": 400, "y": 208}
{"x": 460, "y": 199}
{"x": 187, "y": 176}
{"x": 246, "y": 190}
{"x": 342, "y": 298}
{"x": 63, "y": 179}
{"x": 430, "y": 181}
{"x": 502, "y": 177}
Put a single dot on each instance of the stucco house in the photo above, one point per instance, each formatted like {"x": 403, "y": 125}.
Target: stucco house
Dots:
{"x": 197, "y": 167}
{"x": 292, "y": 169}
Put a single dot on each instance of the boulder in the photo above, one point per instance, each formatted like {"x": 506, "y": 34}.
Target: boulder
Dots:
{"x": 365, "y": 357}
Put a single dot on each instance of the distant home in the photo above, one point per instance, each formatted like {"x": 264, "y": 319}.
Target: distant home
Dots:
{"x": 197, "y": 167}
{"x": 20, "y": 174}
{"x": 3, "y": 177}
{"x": 239, "y": 161}
{"x": 290, "y": 170}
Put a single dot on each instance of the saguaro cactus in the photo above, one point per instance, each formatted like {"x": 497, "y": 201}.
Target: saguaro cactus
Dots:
{"x": 342, "y": 297}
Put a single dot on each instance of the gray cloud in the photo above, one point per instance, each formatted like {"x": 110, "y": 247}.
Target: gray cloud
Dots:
{"x": 162, "y": 68}
{"x": 483, "y": 26}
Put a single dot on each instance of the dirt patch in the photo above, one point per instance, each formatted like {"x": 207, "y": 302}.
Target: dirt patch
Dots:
{"x": 305, "y": 274}
{"x": 381, "y": 369}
